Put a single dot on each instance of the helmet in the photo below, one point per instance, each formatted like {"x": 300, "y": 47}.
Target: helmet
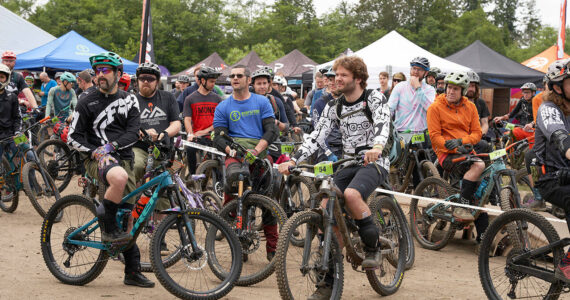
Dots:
{"x": 421, "y": 62}
{"x": 269, "y": 70}
{"x": 279, "y": 80}
{"x": 8, "y": 55}
{"x": 4, "y": 69}
{"x": 330, "y": 73}
{"x": 263, "y": 72}
{"x": 58, "y": 75}
{"x": 107, "y": 58}
{"x": 458, "y": 78}
{"x": 29, "y": 77}
{"x": 208, "y": 72}
{"x": 126, "y": 80}
{"x": 473, "y": 77}
{"x": 66, "y": 76}
{"x": 440, "y": 76}
{"x": 148, "y": 68}
{"x": 325, "y": 69}
{"x": 557, "y": 72}
{"x": 529, "y": 86}
{"x": 433, "y": 72}
{"x": 183, "y": 78}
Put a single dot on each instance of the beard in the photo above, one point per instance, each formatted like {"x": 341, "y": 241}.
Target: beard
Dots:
{"x": 470, "y": 94}
{"x": 146, "y": 91}
{"x": 104, "y": 85}
{"x": 347, "y": 88}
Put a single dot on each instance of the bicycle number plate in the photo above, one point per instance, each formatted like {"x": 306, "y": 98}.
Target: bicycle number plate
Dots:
{"x": 324, "y": 168}
{"x": 497, "y": 154}
{"x": 509, "y": 126}
{"x": 155, "y": 152}
{"x": 20, "y": 139}
{"x": 249, "y": 157}
{"x": 418, "y": 138}
{"x": 287, "y": 148}
{"x": 54, "y": 120}
{"x": 26, "y": 118}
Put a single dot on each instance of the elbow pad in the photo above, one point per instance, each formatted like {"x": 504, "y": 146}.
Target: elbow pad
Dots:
{"x": 561, "y": 140}
{"x": 271, "y": 132}
{"x": 218, "y": 141}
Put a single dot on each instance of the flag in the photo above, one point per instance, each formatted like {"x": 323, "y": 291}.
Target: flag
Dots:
{"x": 562, "y": 32}
{"x": 146, "y": 37}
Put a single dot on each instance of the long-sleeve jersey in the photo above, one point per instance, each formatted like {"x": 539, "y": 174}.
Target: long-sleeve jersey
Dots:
{"x": 358, "y": 134}
{"x": 99, "y": 120}
{"x": 60, "y": 103}
{"x": 523, "y": 112}
{"x": 410, "y": 106}
{"x": 10, "y": 118}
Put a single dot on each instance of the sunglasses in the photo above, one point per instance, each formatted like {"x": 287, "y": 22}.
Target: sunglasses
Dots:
{"x": 147, "y": 78}
{"x": 396, "y": 80}
{"x": 105, "y": 70}
{"x": 239, "y": 76}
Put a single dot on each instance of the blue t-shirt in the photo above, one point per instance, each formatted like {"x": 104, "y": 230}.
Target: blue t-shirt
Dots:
{"x": 45, "y": 88}
{"x": 243, "y": 118}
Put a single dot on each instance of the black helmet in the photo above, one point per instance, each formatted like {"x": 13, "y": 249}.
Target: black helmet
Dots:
{"x": 421, "y": 62}
{"x": 325, "y": 70}
{"x": 440, "y": 76}
{"x": 148, "y": 68}
{"x": 208, "y": 72}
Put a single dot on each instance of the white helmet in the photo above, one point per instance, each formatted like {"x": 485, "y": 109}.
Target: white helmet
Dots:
{"x": 279, "y": 80}
{"x": 4, "y": 69}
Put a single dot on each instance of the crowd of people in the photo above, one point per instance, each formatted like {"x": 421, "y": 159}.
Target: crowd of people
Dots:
{"x": 106, "y": 109}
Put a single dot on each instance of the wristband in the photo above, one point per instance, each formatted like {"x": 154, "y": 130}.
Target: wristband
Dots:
{"x": 378, "y": 147}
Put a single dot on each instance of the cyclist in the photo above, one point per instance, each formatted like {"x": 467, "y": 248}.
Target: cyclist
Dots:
{"x": 10, "y": 118}
{"x": 85, "y": 82}
{"x": 199, "y": 108}
{"x": 552, "y": 149}
{"x": 183, "y": 82}
{"x": 452, "y": 122}
{"x": 397, "y": 78}
{"x": 432, "y": 75}
{"x": 332, "y": 149}
{"x": 261, "y": 80}
{"x": 125, "y": 82}
{"x": 384, "y": 87}
{"x": 279, "y": 88}
{"x": 105, "y": 126}
{"x": 522, "y": 112}
{"x": 363, "y": 117}
{"x": 47, "y": 85}
{"x": 61, "y": 99}
{"x": 315, "y": 93}
{"x": 17, "y": 84}
{"x": 440, "y": 83}
{"x": 473, "y": 96}
{"x": 249, "y": 119}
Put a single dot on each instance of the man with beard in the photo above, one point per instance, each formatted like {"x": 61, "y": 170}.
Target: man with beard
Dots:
{"x": 473, "y": 96}
{"x": 363, "y": 117}
{"x": 105, "y": 126}
{"x": 432, "y": 75}
{"x": 332, "y": 149}
{"x": 199, "y": 110}
{"x": 440, "y": 83}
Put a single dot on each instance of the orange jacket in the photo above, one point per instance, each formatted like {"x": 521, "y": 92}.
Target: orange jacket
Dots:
{"x": 536, "y": 102}
{"x": 446, "y": 122}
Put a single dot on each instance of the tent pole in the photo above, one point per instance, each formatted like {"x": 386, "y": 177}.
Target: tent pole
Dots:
{"x": 44, "y": 69}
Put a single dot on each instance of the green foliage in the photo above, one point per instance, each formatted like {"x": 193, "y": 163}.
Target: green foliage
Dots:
{"x": 268, "y": 52}
{"x": 20, "y": 7}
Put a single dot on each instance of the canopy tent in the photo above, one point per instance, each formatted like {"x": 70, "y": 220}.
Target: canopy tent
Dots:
{"x": 494, "y": 69}
{"x": 293, "y": 64}
{"x": 71, "y": 51}
{"x": 541, "y": 61}
{"x": 251, "y": 60}
{"x": 20, "y": 35}
{"x": 214, "y": 60}
{"x": 392, "y": 53}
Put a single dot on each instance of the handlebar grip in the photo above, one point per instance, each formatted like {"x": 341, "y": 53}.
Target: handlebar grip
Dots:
{"x": 456, "y": 160}
{"x": 178, "y": 142}
{"x": 45, "y": 119}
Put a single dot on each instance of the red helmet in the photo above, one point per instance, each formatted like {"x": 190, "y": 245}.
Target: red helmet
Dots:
{"x": 126, "y": 80}
{"x": 8, "y": 55}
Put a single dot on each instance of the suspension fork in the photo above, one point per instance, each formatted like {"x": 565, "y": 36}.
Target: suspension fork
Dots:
{"x": 329, "y": 223}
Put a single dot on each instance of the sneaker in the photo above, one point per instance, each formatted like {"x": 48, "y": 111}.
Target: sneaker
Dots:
{"x": 371, "y": 260}
{"x": 270, "y": 256}
{"x": 563, "y": 273}
{"x": 463, "y": 214}
{"x": 322, "y": 293}
{"x": 137, "y": 279}
{"x": 164, "y": 249}
{"x": 114, "y": 236}
{"x": 538, "y": 205}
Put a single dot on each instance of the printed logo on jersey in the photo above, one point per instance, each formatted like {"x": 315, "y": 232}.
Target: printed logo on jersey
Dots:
{"x": 118, "y": 107}
{"x": 550, "y": 116}
{"x": 152, "y": 112}
{"x": 236, "y": 115}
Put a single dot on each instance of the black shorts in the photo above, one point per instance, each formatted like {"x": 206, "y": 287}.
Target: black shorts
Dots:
{"x": 364, "y": 179}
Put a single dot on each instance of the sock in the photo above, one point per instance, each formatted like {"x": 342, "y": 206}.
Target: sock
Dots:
{"x": 468, "y": 189}
{"x": 481, "y": 224}
{"x": 368, "y": 233}
{"x": 111, "y": 209}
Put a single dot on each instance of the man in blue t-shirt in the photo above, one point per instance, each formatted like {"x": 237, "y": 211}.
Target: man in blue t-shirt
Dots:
{"x": 248, "y": 118}
{"x": 47, "y": 84}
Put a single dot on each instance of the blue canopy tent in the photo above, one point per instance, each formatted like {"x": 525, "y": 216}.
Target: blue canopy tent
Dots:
{"x": 71, "y": 51}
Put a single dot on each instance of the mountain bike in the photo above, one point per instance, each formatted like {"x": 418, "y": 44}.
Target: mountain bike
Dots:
{"x": 519, "y": 254}
{"x": 434, "y": 224}
{"x": 301, "y": 269}
{"x": 213, "y": 167}
{"x": 74, "y": 253}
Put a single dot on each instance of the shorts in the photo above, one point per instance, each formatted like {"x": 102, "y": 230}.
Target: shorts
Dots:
{"x": 92, "y": 169}
{"x": 448, "y": 165}
{"x": 364, "y": 179}
{"x": 139, "y": 170}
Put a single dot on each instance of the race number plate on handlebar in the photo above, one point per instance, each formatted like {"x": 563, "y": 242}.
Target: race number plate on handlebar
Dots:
{"x": 20, "y": 139}
{"x": 509, "y": 126}
{"x": 287, "y": 148}
{"x": 418, "y": 138}
{"x": 155, "y": 152}
{"x": 249, "y": 157}
{"x": 324, "y": 168}
{"x": 54, "y": 120}
{"x": 497, "y": 154}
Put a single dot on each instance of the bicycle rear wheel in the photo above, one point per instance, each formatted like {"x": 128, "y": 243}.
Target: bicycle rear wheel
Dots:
{"x": 70, "y": 263}
{"x": 40, "y": 191}
{"x": 213, "y": 181}
{"x": 56, "y": 158}
{"x": 9, "y": 194}
{"x": 191, "y": 276}
{"x": 388, "y": 278}
{"x": 498, "y": 247}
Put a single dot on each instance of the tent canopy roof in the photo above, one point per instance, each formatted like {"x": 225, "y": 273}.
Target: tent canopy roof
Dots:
{"x": 541, "y": 61}
{"x": 251, "y": 60}
{"x": 214, "y": 60}
{"x": 495, "y": 69}
{"x": 293, "y": 64}
{"x": 24, "y": 36}
{"x": 71, "y": 51}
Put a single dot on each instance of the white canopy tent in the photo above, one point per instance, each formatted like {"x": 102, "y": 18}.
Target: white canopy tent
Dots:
{"x": 393, "y": 53}
{"x": 19, "y": 35}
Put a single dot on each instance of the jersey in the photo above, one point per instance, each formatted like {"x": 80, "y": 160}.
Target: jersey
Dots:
{"x": 550, "y": 119}
{"x": 522, "y": 112}
{"x": 100, "y": 119}
{"x": 60, "y": 102}
{"x": 157, "y": 112}
{"x": 17, "y": 83}
{"x": 200, "y": 108}
{"x": 46, "y": 87}
{"x": 409, "y": 106}
{"x": 86, "y": 92}
{"x": 243, "y": 119}
{"x": 10, "y": 117}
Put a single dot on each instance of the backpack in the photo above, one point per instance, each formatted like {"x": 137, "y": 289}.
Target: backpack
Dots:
{"x": 274, "y": 104}
{"x": 389, "y": 148}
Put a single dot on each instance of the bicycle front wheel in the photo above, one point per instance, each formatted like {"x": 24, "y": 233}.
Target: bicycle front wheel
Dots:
{"x": 56, "y": 158}
{"x": 499, "y": 246}
{"x": 9, "y": 194}
{"x": 40, "y": 189}
{"x": 191, "y": 276}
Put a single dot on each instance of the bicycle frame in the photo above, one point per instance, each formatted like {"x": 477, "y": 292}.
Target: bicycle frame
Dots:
{"x": 537, "y": 271}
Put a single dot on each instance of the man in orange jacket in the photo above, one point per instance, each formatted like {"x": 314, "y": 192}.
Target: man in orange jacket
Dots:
{"x": 453, "y": 122}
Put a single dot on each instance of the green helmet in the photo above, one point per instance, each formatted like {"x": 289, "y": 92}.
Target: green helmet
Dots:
{"x": 66, "y": 76}
{"x": 458, "y": 78}
{"x": 434, "y": 72}
{"x": 107, "y": 58}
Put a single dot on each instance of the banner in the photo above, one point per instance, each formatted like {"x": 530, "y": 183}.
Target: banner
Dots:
{"x": 146, "y": 37}
{"x": 562, "y": 31}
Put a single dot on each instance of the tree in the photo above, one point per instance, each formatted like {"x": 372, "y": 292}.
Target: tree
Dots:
{"x": 22, "y": 8}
